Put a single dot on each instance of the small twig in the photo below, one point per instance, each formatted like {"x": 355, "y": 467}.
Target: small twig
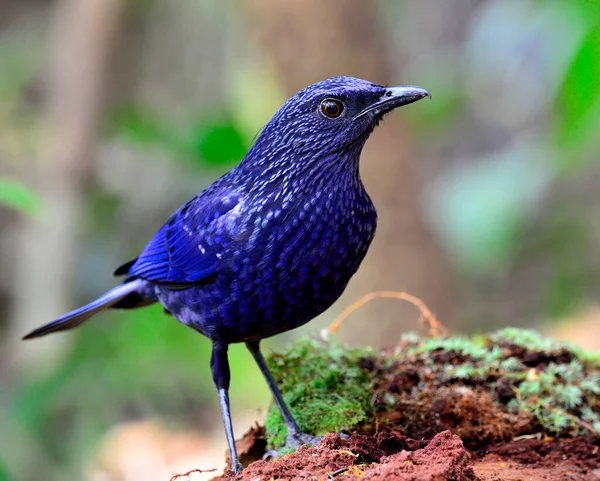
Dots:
{"x": 528, "y": 436}
{"x": 436, "y": 328}
{"x": 337, "y": 472}
{"x": 572, "y": 417}
{"x": 193, "y": 471}
{"x": 579, "y": 422}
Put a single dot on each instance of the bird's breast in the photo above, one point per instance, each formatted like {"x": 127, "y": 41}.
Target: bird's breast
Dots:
{"x": 328, "y": 230}
{"x": 300, "y": 258}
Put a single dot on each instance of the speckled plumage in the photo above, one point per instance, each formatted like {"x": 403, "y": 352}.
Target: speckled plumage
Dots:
{"x": 272, "y": 243}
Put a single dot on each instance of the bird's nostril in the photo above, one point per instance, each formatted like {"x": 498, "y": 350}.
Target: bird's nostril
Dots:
{"x": 388, "y": 93}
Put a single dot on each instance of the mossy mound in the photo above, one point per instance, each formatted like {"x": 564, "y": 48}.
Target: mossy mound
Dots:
{"x": 326, "y": 385}
{"x": 485, "y": 388}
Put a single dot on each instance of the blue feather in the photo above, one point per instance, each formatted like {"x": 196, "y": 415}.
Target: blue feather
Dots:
{"x": 79, "y": 316}
{"x": 190, "y": 246}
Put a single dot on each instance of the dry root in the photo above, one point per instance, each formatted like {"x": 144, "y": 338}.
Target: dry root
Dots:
{"x": 436, "y": 328}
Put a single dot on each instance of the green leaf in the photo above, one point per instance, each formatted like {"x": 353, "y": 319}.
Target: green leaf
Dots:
{"x": 4, "y": 476}
{"x": 578, "y": 99}
{"x": 218, "y": 142}
{"x": 17, "y": 196}
{"x": 214, "y": 139}
{"x": 138, "y": 124}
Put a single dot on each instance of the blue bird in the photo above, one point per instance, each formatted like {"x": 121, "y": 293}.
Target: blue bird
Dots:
{"x": 271, "y": 244}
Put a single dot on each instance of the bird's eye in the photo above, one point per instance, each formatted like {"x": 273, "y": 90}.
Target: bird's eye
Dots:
{"x": 332, "y": 108}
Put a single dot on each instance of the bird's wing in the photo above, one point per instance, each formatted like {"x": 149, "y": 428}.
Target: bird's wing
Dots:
{"x": 190, "y": 246}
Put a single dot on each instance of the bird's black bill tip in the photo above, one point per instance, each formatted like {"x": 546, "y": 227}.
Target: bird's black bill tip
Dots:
{"x": 403, "y": 95}
{"x": 395, "y": 97}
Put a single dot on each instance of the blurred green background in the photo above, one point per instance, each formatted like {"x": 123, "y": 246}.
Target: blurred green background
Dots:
{"x": 115, "y": 112}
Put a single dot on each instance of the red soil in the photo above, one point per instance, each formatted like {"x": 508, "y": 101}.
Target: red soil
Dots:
{"x": 393, "y": 457}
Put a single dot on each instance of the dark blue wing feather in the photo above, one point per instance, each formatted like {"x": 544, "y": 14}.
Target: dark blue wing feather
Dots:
{"x": 189, "y": 248}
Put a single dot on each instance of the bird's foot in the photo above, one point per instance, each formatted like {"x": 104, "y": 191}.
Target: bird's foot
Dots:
{"x": 293, "y": 442}
{"x": 237, "y": 468}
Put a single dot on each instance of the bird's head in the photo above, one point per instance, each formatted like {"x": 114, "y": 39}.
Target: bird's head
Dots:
{"x": 332, "y": 117}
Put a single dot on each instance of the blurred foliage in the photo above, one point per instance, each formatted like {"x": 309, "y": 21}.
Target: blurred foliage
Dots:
{"x": 18, "y": 64}
{"x": 571, "y": 276}
{"x": 15, "y": 195}
{"x": 4, "y": 473}
{"x": 485, "y": 233}
{"x": 488, "y": 210}
{"x": 207, "y": 140}
{"x": 578, "y": 99}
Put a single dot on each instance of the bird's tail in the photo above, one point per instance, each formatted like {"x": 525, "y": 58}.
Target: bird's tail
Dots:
{"x": 78, "y": 316}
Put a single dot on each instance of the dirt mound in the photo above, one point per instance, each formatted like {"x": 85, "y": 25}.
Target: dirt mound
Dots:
{"x": 487, "y": 389}
{"x": 537, "y": 459}
{"x": 510, "y": 405}
{"x": 389, "y": 456}
{"x": 382, "y": 457}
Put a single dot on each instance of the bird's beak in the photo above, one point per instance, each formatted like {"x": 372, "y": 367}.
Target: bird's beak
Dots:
{"x": 395, "y": 97}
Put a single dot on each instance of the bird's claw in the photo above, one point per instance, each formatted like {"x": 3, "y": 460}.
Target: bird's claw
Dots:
{"x": 271, "y": 454}
{"x": 237, "y": 468}
{"x": 293, "y": 442}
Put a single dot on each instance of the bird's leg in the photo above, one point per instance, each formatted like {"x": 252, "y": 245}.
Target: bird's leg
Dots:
{"x": 295, "y": 437}
{"x": 219, "y": 365}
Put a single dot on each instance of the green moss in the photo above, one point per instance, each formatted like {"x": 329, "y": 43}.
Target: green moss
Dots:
{"x": 562, "y": 395}
{"x": 324, "y": 386}
{"x": 527, "y": 339}
{"x": 475, "y": 348}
